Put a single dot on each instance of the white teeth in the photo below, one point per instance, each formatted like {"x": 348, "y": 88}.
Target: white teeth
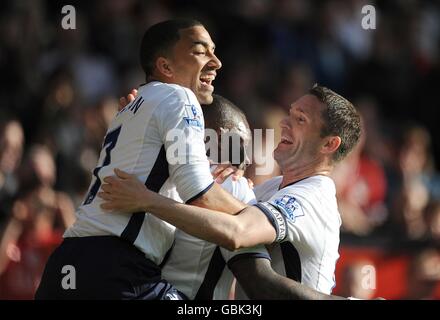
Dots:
{"x": 207, "y": 78}
{"x": 286, "y": 140}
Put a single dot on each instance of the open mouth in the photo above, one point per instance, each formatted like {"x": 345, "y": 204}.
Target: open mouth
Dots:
{"x": 286, "y": 140}
{"x": 206, "y": 81}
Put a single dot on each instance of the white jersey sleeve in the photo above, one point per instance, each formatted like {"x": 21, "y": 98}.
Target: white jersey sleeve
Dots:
{"x": 299, "y": 213}
{"x": 306, "y": 219}
{"x": 181, "y": 126}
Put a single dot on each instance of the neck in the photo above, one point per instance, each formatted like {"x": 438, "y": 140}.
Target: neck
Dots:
{"x": 151, "y": 79}
{"x": 158, "y": 77}
{"x": 297, "y": 173}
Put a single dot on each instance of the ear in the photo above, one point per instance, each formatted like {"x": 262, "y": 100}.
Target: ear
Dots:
{"x": 331, "y": 144}
{"x": 163, "y": 67}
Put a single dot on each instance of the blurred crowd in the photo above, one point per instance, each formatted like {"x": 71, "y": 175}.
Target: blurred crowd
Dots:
{"x": 59, "y": 91}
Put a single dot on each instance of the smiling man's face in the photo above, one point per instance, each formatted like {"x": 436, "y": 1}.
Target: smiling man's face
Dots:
{"x": 194, "y": 63}
{"x": 301, "y": 133}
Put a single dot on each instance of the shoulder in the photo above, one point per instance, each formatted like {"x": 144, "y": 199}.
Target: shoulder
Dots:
{"x": 314, "y": 190}
{"x": 161, "y": 92}
{"x": 180, "y": 92}
{"x": 319, "y": 185}
{"x": 268, "y": 188}
{"x": 315, "y": 195}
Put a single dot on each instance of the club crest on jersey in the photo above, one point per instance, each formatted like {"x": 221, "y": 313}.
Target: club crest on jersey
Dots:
{"x": 193, "y": 118}
{"x": 289, "y": 207}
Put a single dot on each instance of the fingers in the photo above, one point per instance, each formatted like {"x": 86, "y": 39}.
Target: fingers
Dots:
{"x": 250, "y": 183}
{"x": 224, "y": 170}
{"x": 224, "y": 175}
{"x": 107, "y": 188}
{"x": 105, "y": 195}
{"x": 110, "y": 180}
{"x": 132, "y": 95}
{"x": 220, "y": 168}
{"x": 110, "y": 202}
{"x": 130, "y": 98}
{"x": 122, "y": 174}
{"x": 237, "y": 175}
{"x": 107, "y": 206}
{"x": 122, "y": 103}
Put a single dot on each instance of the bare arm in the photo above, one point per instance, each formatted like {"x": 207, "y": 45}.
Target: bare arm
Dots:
{"x": 261, "y": 282}
{"x": 218, "y": 199}
{"x": 251, "y": 227}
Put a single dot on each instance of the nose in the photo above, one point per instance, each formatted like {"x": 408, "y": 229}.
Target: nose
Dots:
{"x": 215, "y": 62}
{"x": 284, "y": 123}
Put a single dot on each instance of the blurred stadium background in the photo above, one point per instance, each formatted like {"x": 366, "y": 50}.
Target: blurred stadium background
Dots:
{"x": 59, "y": 90}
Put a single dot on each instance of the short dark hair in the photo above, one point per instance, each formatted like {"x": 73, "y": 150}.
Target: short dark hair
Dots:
{"x": 159, "y": 39}
{"x": 222, "y": 113}
{"x": 340, "y": 119}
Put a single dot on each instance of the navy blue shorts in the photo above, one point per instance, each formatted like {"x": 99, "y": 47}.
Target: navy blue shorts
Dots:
{"x": 102, "y": 267}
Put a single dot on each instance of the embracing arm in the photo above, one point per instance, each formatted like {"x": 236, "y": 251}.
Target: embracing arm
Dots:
{"x": 246, "y": 229}
{"x": 125, "y": 193}
{"x": 218, "y": 199}
{"x": 261, "y": 282}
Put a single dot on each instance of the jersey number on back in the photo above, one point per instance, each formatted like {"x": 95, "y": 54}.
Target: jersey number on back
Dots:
{"x": 109, "y": 143}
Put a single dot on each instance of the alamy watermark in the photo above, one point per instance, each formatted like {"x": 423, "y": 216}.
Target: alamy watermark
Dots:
{"x": 368, "y": 277}
{"x": 68, "y": 282}
{"x": 224, "y": 147}
{"x": 369, "y": 17}
{"x": 68, "y": 21}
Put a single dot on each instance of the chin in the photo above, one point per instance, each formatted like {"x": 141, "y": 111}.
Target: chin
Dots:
{"x": 279, "y": 154}
{"x": 276, "y": 153}
{"x": 205, "y": 98}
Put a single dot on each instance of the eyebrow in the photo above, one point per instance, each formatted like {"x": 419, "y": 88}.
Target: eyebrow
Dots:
{"x": 302, "y": 111}
{"x": 203, "y": 43}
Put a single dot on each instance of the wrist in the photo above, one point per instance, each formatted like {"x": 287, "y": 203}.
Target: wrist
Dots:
{"x": 145, "y": 201}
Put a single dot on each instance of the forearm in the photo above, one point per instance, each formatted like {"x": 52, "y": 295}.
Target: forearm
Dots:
{"x": 285, "y": 288}
{"x": 126, "y": 193}
{"x": 210, "y": 225}
{"x": 261, "y": 282}
{"x": 247, "y": 229}
{"x": 220, "y": 200}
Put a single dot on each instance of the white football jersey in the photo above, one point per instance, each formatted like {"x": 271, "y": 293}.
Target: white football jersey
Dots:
{"x": 199, "y": 268}
{"x": 306, "y": 217}
{"x": 159, "y": 135}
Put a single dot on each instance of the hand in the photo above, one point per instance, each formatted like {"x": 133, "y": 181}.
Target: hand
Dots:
{"x": 250, "y": 183}
{"x": 13, "y": 252}
{"x": 224, "y": 170}
{"x": 125, "y": 193}
{"x": 124, "y": 101}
